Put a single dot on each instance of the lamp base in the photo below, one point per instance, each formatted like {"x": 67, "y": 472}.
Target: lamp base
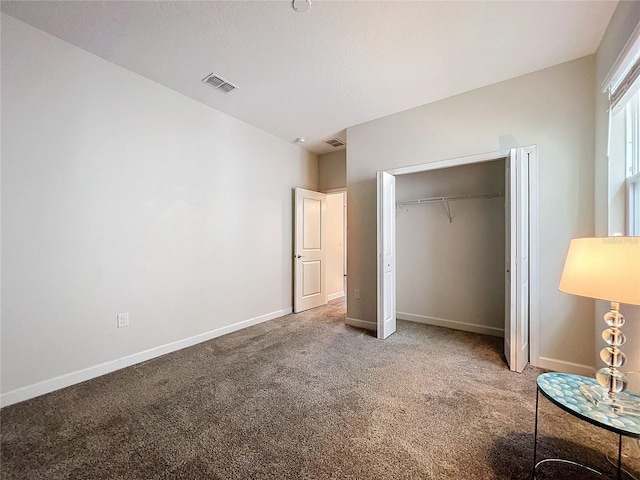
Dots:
{"x": 623, "y": 403}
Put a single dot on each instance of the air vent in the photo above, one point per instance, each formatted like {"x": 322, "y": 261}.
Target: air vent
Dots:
{"x": 335, "y": 143}
{"x": 220, "y": 83}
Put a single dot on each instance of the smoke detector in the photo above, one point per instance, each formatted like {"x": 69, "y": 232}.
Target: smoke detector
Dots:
{"x": 216, "y": 81}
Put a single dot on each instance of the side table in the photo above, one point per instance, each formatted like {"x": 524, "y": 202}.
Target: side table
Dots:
{"x": 563, "y": 390}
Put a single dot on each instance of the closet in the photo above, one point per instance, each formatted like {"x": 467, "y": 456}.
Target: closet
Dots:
{"x": 450, "y": 247}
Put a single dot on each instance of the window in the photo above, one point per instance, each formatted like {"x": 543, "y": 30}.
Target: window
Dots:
{"x": 632, "y": 157}
{"x": 623, "y": 85}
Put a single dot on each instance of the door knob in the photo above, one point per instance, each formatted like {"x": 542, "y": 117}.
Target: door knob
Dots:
{"x": 298, "y": 256}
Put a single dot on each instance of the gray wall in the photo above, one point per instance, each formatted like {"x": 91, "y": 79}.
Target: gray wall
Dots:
{"x": 452, "y": 273}
{"x": 621, "y": 26}
{"x": 120, "y": 195}
{"x": 553, "y": 108}
{"x": 332, "y": 170}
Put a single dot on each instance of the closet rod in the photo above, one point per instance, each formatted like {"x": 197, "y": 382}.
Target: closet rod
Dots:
{"x": 447, "y": 199}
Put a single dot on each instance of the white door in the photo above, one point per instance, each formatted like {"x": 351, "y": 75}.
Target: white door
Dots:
{"x": 386, "y": 323}
{"x": 516, "y": 331}
{"x": 309, "y": 251}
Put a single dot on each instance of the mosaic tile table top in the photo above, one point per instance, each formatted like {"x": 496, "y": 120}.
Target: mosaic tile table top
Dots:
{"x": 563, "y": 389}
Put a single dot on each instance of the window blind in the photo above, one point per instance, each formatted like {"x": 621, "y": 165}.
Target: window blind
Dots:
{"x": 619, "y": 83}
{"x": 626, "y": 85}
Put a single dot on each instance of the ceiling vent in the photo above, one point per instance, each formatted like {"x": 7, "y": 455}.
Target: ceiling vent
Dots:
{"x": 220, "y": 83}
{"x": 335, "y": 143}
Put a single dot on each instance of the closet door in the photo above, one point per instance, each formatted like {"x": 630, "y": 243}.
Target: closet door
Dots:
{"x": 516, "y": 332}
{"x": 386, "y": 321}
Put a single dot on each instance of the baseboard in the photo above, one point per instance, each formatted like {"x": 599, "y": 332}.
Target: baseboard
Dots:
{"x": 443, "y": 322}
{"x": 355, "y": 322}
{"x": 66, "y": 380}
{"x": 565, "y": 367}
{"x": 333, "y": 296}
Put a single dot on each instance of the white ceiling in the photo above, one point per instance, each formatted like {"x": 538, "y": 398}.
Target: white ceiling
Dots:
{"x": 339, "y": 64}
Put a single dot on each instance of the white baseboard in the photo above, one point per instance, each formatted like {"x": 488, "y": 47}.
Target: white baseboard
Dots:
{"x": 333, "y": 296}
{"x": 565, "y": 367}
{"x": 68, "y": 379}
{"x": 443, "y": 322}
{"x": 355, "y": 322}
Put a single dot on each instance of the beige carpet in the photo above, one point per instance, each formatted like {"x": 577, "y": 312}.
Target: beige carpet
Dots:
{"x": 304, "y": 397}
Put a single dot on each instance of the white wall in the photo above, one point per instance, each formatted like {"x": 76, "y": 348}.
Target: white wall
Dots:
{"x": 332, "y": 170}
{"x": 335, "y": 245}
{"x": 553, "y": 108}
{"x": 452, "y": 273}
{"x": 607, "y": 220}
{"x": 119, "y": 195}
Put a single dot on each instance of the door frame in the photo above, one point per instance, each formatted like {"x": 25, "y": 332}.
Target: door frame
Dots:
{"x": 533, "y": 228}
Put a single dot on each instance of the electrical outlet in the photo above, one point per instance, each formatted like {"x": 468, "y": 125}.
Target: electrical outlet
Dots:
{"x": 123, "y": 320}
{"x": 357, "y": 294}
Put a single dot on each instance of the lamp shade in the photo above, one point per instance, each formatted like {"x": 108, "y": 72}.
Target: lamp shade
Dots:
{"x": 605, "y": 268}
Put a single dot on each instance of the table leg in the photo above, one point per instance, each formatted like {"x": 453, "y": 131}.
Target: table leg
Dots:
{"x": 535, "y": 440}
{"x": 620, "y": 458}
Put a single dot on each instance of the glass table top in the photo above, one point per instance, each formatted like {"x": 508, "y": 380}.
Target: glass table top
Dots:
{"x": 563, "y": 389}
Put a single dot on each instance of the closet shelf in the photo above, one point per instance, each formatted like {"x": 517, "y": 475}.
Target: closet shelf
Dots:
{"x": 446, "y": 200}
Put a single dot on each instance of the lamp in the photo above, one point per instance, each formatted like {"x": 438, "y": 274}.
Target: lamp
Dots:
{"x": 607, "y": 269}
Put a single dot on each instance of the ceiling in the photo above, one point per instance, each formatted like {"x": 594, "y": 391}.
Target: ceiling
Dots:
{"x": 339, "y": 64}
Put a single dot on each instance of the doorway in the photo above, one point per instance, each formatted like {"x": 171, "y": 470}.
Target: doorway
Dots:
{"x": 520, "y": 268}
{"x": 450, "y": 243}
{"x": 336, "y": 244}
{"x": 319, "y": 254}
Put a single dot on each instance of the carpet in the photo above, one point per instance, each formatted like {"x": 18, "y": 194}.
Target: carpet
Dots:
{"x": 305, "y": 397}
